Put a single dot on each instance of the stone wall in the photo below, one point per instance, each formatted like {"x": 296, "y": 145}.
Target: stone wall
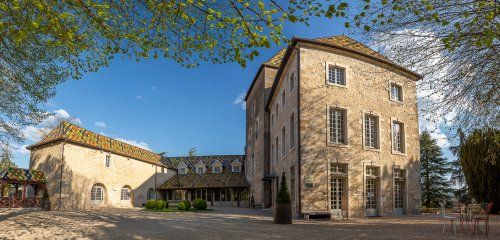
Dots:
{"x": 84, "y": 167}
{"x": 367, "y": 91}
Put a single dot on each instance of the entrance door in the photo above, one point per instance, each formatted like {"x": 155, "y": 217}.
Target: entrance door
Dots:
{"x": 336, "y": 193}
{"x": 398, "y": 197}
{"x": 371, "y": 198}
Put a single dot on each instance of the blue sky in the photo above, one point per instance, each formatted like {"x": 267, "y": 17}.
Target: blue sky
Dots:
{"x": 165, "y": 107}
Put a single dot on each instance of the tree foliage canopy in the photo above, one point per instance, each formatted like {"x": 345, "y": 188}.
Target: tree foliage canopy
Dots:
{"x": 453, "y": 43}
{"x": 479, "y": 155}
{"x": 434, "y": 168}
{"x": 44, "y": 43}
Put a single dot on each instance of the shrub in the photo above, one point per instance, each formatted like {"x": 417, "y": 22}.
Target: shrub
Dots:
{"x": 160, "y": 205}
{"x": 283, "y": 195}
{"x": 184, "y": 205}
{"x": 151, "y": 204}
{"x": 200, "y": 204}
{"x": 45, "y": 203}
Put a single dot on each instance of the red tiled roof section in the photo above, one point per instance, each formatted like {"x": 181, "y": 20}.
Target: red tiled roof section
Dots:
{"x": 79, "y": 135}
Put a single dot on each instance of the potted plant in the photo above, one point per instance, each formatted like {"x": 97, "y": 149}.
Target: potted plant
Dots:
{"x": 45, "y": 202}
{"x": 283, "y": 212}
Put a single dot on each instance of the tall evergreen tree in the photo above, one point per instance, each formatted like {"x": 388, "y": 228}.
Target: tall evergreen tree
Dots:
{"x": 434, "y": 168}
{"x": 479, "y": 155}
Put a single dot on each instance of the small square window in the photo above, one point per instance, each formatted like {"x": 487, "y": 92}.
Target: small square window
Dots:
{"x": 396, "y": 92}
{"x": 182, "y": 171}
{"x": 336, "y": 75}
{"x": 216, "y": 169}
{"x": 236, "y": 168}
{"x": 200, "y": 170}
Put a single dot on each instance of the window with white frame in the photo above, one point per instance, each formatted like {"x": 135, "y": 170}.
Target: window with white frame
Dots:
{"x": 182, "y": 170}
{"x": 283, "y": 145}
{"x": 125, "y": 194}
{"x": 292, "y": 130}
{"x": 337, "y": 126}
{"x": 398, "y": 136}
{"x": 200, "y": 169}
{"x": 236, "y": 168}
{"x": 398, "y": 173}
{"x": 97, "y": 193}
{"x": 336, "y": 75}
{"x": 283, "y": 98}
{"x": 291, "y": 81}
{"x": 338, "y": 168}
{"x": 107, "y": 162}
{"x": 217, "y": 169}
{"x": 371, "y": 171}
{"x": 371, "y": 131}
{"x": 396, "y": 92}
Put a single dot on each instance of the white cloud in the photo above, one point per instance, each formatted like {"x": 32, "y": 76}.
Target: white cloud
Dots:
{"x": 240, "y": 100}
{"x": 22, "y": 149}
{"x": 35, "y": 133}
{"x": 100, "y": 124}
{"x": 138, "y": 97}
{"x": 154, "y": 88}
{"x": 135, "y": 143}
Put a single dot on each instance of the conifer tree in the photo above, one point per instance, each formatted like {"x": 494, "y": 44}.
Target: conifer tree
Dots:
{"x": 434, "y": 169}
{"x": 283, "y": 195}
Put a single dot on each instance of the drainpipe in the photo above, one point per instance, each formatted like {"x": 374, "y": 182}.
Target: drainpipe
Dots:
{"x": 61, "y": 176}
{"x": 156, "y": 192}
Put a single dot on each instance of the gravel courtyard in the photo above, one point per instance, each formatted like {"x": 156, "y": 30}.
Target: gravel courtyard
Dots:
{"x": 222, "y": 223}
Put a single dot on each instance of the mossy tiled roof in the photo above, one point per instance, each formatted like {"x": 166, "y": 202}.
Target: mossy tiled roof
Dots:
{"x": 206, "y": 180}
{"x": 79, "y": 135}
{"x": 339, "y": 41}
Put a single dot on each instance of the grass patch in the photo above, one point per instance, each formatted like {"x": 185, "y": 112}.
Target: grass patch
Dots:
{"x": 177, "y": 210}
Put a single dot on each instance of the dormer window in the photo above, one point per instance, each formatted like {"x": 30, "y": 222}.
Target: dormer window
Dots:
{"x": 200, "y": 168}
{"x": 216, "y": 169}
{"x": 236, "y": 169}
{"x": 182, "y": 168}
{"x": 236, "y": 166}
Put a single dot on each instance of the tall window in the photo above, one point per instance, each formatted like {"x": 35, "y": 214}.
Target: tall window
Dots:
{"x": 97, "y": 193}
{"x": 283, "y": 98}
{"x": 273, "y": 159}
{"x": 398, "y": 137}
{"x": 291, "y": 81}
{"x": 371, "y": 131}
{"x": 336, "y": 75}
{"x": 396, "y": 92}
{"x": 125, "y": 194}
{"x": 272, "y": 119}
{"x": 256, "y": 128}
{"x": 276, "y": 149}
{"x": 107, "y": 162}
{"x": 151, "y": 194}
{"x": 337, "y": 126}
{"x": 283, "y": 148}
{"x": 292, "y": 130}
{"x": 253, "y": 165}
{"x": 292, "y": 183}
{"x": 276, "y": 111}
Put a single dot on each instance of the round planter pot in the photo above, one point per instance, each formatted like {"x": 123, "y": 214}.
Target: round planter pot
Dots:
{"x": 283, "y": 214}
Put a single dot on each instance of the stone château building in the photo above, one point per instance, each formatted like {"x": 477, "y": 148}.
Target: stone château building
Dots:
{"x": 340, "y": 121}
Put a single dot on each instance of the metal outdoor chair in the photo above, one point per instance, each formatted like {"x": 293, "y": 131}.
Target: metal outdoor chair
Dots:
{"x": 445, "y": 218}
{"x": 484, "y": 219}
{"x": 460, "y": 211}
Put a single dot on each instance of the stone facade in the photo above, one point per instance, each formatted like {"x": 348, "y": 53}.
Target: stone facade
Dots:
{"x": 72, "y": 169}
{"x": 316, "y": 168}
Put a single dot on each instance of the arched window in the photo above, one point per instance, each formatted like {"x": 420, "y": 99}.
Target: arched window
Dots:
{"x": 151, "y": 194}
{"x": 125, "y": 193}
{"x": 97, "y": 194}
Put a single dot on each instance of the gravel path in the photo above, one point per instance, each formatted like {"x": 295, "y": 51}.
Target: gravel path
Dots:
{"x": 223, "y": 223}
